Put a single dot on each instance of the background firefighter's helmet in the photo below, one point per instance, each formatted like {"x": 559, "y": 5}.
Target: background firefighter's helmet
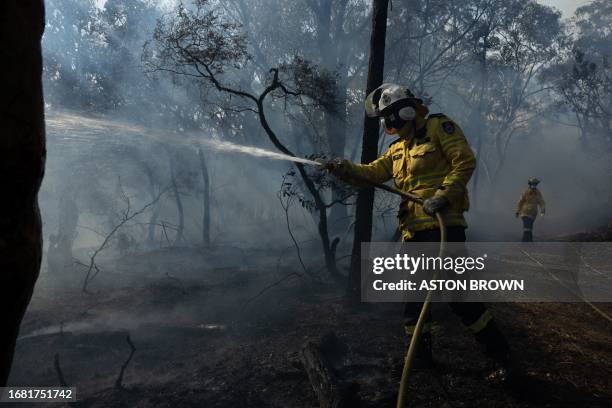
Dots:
{"x": 533, "y": 181}
{"x": 395, "y": 103}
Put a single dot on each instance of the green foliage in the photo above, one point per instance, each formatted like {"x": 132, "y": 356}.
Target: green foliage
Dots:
{"x": 583, "y": 80}
{"x": 313, "y": 82}
{"x": 195, "y": 42}
{"x": 91, "y": 55}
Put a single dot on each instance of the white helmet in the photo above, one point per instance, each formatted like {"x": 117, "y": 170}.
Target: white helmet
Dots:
{"x": 533, "y": 181}
{"x": 392, "y": 100}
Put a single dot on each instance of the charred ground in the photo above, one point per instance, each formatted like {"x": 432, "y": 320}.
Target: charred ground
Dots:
{"x": 207, "y": 336}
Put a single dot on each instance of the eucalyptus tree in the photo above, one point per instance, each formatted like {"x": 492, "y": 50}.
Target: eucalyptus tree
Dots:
{"x": 196, "y": 43}
{"x": 498, "y": 89}
{"x": 427, "y": 41}
{"x": 583, "y": 80}
{"x": 331, "y": 33}
{"x": 69, "y": 54}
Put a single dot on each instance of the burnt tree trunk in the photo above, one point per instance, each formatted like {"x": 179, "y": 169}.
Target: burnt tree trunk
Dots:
{"x": 179, "y": 204}
{"x": 336, "y": 131}
{"x": 330, "y": 19}
{"x": 22, "y": 158}
{"x": 479, "y": 117}
{"x": 205, "y": 199}
{"x": 369, "y": 149}
{"x": 328, "y": 248}
{"x": 152, "y": 227}
{"x": 67, "y": 228}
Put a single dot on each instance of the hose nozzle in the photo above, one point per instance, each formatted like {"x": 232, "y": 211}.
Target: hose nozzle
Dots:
{"x": 324, "y": 165}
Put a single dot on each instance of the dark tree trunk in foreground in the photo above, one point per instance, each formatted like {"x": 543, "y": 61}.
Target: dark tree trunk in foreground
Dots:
{"x": 369, "y": 150}
{"x": 323, "y": 363}
{"x": 22, "y": 156}
{"x": 329, "y": 390}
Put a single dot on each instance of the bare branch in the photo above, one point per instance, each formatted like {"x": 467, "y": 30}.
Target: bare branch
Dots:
{"x": 126, "y": 218}
{"x": 58, "y": 371}
{"x": 119, "y": 381}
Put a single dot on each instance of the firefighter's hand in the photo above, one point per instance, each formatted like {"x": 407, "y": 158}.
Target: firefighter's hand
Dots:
{"x": 434, "y": 204}
{"x": 516, "y": 214}
{"x": 338, "y": 167}
{"x": 322, "y": 166}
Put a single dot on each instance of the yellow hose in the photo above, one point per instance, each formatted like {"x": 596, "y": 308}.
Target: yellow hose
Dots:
{"x": 418, "y": 328}
{"x": 402, "y": 394}
{"x": 409, "y": 359}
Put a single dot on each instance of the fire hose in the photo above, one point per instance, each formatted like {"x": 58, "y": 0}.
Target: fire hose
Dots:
{"x": 418, "y": 328}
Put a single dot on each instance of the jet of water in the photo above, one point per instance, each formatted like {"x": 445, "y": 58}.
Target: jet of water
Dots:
{"x": 73, "y": 127}
{"x": 254, "y": 151}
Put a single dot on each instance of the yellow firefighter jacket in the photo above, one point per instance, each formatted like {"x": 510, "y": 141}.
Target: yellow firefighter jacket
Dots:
{"x": 529, "y": 202}
{"x": 436, "y": 161}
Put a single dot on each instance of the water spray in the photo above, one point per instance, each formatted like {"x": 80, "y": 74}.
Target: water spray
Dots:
{"x": 256, "y": 152}
{"x": 77, "y": 128}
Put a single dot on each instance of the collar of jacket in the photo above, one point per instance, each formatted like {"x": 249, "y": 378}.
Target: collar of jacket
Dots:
{"x": 407, "y": 132}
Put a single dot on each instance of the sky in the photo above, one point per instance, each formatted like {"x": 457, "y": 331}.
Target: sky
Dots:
{"x": 566, "y": 6}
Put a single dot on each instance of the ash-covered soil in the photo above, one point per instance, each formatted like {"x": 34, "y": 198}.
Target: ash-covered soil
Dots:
{"x": 230, "y": 335}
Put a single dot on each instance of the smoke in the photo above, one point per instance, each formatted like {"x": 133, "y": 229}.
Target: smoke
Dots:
{"x": 126, "y": 322}
{"x": 93, "y": 162}
{"x": 573, "y": 182}
{"x": 115, "y": 132}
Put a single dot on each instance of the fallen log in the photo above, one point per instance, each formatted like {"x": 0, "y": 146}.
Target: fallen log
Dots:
{"x": 330, "y": 389}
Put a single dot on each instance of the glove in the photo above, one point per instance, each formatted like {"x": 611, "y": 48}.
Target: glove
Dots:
{"x": 322, "y": 164}
{"x": 516, "y": 214}
{"x": 338, "y": 167}
{"x": 434, "y": 204}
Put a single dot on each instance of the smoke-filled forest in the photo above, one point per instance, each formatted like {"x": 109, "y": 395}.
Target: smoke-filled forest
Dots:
{"x": 200, "y": 242}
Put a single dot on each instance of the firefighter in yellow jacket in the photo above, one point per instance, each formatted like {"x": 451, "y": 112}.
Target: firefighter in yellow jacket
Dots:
{"x": 432, "y": 159}
{"x": 527, "y": 207}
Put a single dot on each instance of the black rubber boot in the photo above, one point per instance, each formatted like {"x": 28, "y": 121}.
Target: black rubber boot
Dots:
{"x": 497, "y": 349}
{"x": 500, "y": 372}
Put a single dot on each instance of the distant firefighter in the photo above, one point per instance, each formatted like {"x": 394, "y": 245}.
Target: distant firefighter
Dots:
{"x": 528, "y": 206}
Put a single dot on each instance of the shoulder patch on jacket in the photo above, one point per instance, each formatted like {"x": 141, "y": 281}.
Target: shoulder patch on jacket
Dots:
{"x": 448, "y": 127}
